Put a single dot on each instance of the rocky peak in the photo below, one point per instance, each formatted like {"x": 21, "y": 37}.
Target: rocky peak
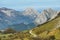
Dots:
{"x": 30, "y": 11}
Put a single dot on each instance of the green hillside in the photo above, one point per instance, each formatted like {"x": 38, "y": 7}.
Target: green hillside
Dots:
{"x": 47, "y": 26}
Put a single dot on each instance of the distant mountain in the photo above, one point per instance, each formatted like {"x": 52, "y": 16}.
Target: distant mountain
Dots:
{"x": 21, "y": 26}
{"x": 28, "y": 18}
{"x": 46, "y": 15}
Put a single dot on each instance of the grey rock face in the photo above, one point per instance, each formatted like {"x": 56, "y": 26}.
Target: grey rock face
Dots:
{"x": 26, "y": 17}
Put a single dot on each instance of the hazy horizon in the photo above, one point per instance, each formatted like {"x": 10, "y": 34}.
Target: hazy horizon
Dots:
{"x": 22, "y": 4}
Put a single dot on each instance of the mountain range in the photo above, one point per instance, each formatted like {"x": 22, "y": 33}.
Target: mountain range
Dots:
{"x": 26, "y": 19}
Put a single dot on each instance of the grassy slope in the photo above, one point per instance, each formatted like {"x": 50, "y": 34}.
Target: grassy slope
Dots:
{"x": 48, "y": 29}
{"x": 47, "y": 26}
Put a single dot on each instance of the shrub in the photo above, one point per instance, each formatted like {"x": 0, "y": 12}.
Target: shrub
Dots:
{"x": 9, "y": 30}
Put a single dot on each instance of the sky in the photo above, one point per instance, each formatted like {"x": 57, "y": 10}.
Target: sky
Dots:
{"x": 22, "y": 4}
